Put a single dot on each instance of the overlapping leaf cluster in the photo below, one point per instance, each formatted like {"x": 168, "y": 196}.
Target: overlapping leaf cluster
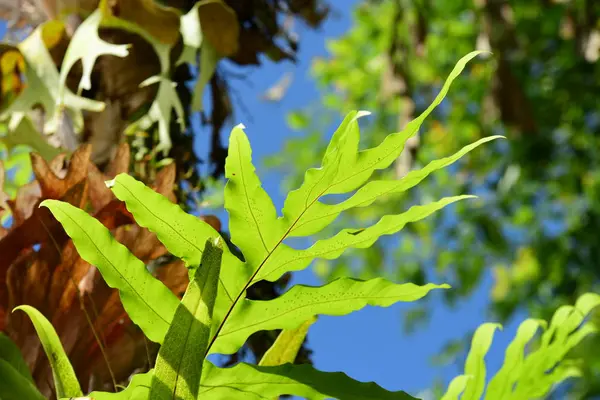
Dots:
{"x": 532, "y": 375}
{"x": 214, "y": 315}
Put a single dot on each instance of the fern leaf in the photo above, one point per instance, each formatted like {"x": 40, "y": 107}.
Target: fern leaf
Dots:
{"x": 257, "y": 382}
{"x": 284, "y": 258}
{"x": 533, "y": 375}
{"x": 357, "y": 172}
{"x": 138, "y": 389}
{"x": 320, "y": 215}
{"x": 286, "y": 346}
{"x": 340, "y": 297}
{"x": 475, "y": 364}
{"x": 181, "y": 233}
{"x": 457, "y": 387}
{"x": 512, "y": 368}
{"x": 179, "y": 364}
{"x": 149, "y": 303}
{"x": 65, "y": 379}
{"x": 561, "y": 336}
{"x": 252, "y": 217}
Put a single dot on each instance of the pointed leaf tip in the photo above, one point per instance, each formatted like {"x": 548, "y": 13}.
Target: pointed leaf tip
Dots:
{"x": 65, "y": 380}
{"x": 240, "y": 126}
{"x": 362, "y": 113}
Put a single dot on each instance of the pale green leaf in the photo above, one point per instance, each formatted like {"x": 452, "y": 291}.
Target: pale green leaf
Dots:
{"x": 252, "y": 216}
{"x": 209, "y": 59}
{"x": 191, "y": 33}
{"x": 65, "y": 380}
{"x": 258, "y": 382}
{"x": 181, "y": 233}
{"x": 26, "y": 134}
{"x": 179, "y": 364}
{"x": 286, "y": 346}
{"x": 284, "y": 258}
{"x": 475, "y": 364}
{"x": 319, "y": 215}
{"x": 86, "y": 46}
{"x": 166, "y": 100}
{"x": 512, "y": 368}
{"x": 161, "y": 109}
{"x": 148, "y": 302}
{"x": 457, "y": 387}
{"x": 340, "y": 297}
{"x": 44, "y": 86}
{"x": 138, "y": 389}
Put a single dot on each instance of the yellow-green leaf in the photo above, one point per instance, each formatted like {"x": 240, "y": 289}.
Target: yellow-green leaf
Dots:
{"x": 65, "y": 379}
{"x": 179, "y": 364}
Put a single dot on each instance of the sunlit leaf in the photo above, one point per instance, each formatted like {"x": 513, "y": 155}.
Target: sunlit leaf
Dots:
{"x": 290, "y": 310}
{"x": 86, "y": 46}
{"x": 149, "y": 303}
{"x": 475, "y": 364}
{"x": 286, "y": 346}
{"x": 65, "y": 380}
{"x": 180, "y": 359}
{"x": 456, "y": 388}
{"x": 257, "y": 382}
{"x": 138, "y": 389}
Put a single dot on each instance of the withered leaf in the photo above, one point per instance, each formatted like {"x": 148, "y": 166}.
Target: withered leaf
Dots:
{"x": 220, "y": 26}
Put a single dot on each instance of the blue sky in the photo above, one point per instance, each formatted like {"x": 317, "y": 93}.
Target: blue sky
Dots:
{"x": 367, "y": 345}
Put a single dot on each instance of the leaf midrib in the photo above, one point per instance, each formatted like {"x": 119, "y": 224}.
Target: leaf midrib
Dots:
{"x": 149, "y": 211}
{"x": 262, "y": 239}
{"x": 366, "y": 298}
{"x": 284, "y": 236}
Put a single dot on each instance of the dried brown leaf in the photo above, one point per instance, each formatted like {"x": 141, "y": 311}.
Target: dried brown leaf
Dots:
{"x": 120, "y": 162}
{"x": 160, "y": 22}
{"x": 52, "y": 186}
{"x": 220, "y": 26}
